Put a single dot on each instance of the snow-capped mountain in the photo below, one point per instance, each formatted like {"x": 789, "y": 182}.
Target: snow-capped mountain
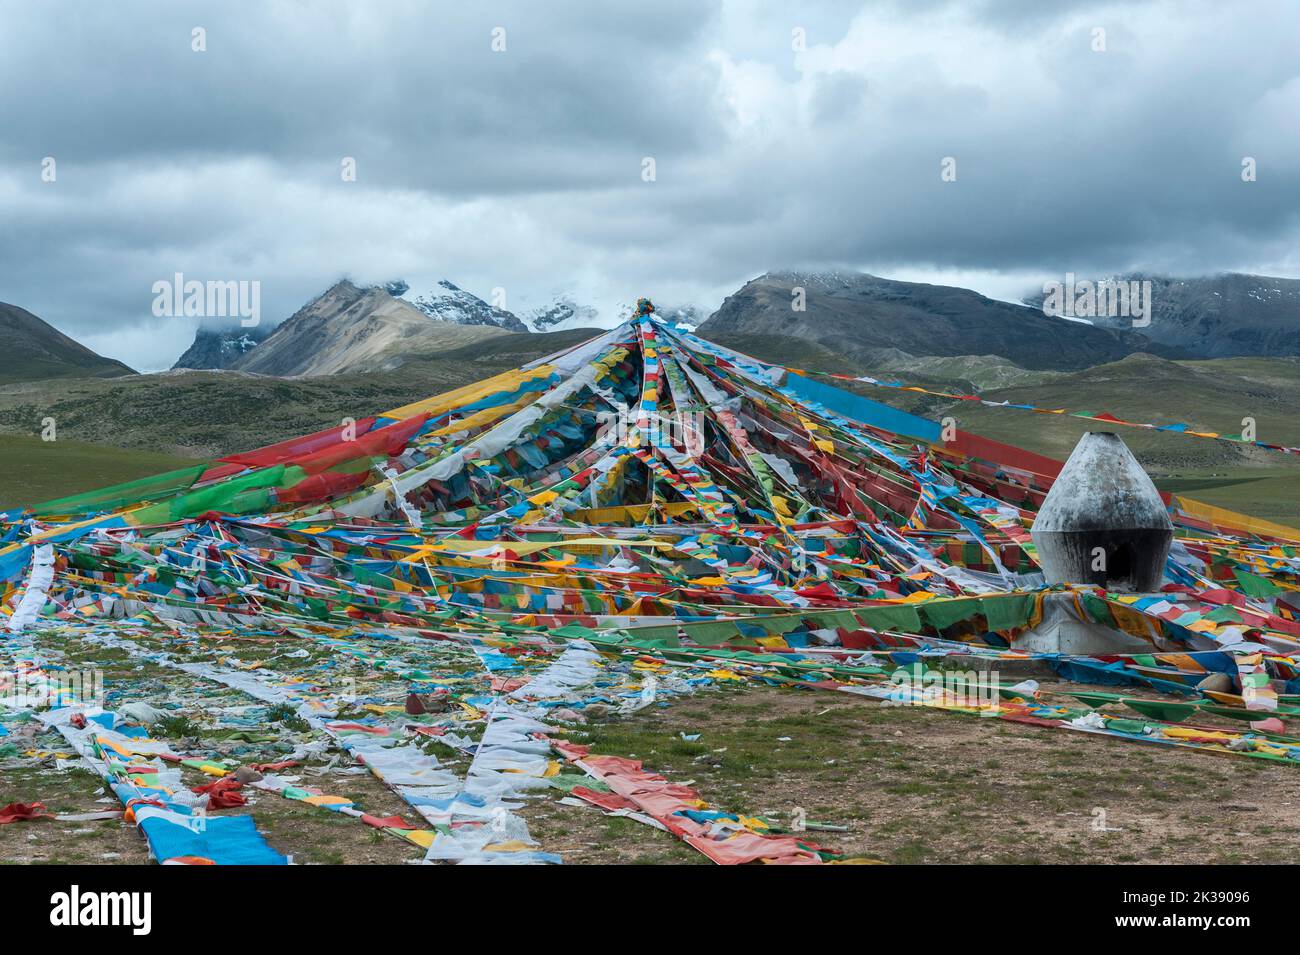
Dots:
{"x": 569, "y": 310}
{"x": 561, "y": 315}
{"x": 563, "y": 311}
{"x": 692, "y": 316}
{"x": 219, "y": 344}
{"x": 1228, "y": 315}
{"x": 352, "y": 328}
{"x": 359, "y": 328}
{"x": 450, "y": 303}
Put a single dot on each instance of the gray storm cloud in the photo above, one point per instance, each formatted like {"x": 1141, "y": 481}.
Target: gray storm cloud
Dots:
{"x": 522, "y": 168}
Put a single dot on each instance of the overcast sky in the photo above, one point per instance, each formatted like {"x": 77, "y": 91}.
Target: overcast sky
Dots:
{"x": 523, "y": 168}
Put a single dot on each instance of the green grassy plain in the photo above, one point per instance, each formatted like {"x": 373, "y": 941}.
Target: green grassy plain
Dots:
{"x": 32, "y": 470}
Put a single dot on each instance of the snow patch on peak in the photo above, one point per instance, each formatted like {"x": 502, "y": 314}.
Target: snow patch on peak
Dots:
{"x": 561, "y": 310}
{"x": 450, "y": 303}
{"x": 219, "y": 344}
{"x": 688, "y": 316}
{"x": 569, "y": 310}
{"x": 563, "y": 314}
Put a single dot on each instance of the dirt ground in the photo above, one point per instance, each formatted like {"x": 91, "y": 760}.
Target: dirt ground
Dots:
{"x": 916, "y": 785}
{"x": 908, "y": 784}
{"x": 311, "y": 835}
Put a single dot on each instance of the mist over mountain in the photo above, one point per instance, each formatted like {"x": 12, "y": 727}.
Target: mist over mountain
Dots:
{"x": 221, "y": 343}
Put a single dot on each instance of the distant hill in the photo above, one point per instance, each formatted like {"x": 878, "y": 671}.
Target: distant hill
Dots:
{"x": 859, "y": 315}
{"x": 205, "y": 414}
{"x": 32, "y": 349}
{"x": 969, "y": 373}
{"x": 1210, "y": 395}
{"x": 1219, "y": 316}
{"x": 349, "y": 328}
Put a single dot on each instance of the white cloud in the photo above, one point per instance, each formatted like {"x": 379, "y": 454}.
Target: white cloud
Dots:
{"x": 522, "y": 169}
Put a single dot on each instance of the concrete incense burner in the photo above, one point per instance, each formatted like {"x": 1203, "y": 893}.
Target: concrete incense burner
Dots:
{"x": 1103, "y": 522}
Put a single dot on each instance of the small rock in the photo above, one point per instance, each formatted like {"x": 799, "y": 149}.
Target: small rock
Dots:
{"x": 246, "y": 775}
{"x": 1216, "y": 682}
